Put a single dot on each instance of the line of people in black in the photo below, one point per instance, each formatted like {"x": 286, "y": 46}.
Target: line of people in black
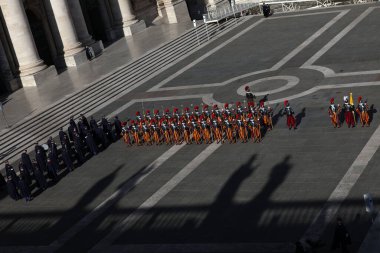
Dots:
{"x": 82, "y": 140}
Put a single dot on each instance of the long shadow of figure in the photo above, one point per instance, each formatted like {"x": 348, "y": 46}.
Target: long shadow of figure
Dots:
{"x": 79, "y": 210}
{"x": 221, "y": 210}
{"x": 372, "y": 110}
{"x": 81, "y": 242}
{"x": 276, "y": 117}
{"x": 227, "y": 222}
{"x": 300, "y": 116}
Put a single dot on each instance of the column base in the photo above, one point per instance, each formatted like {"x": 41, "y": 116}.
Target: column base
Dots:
{"x": 36, "y": 78}
{"x": 71, "y": 60}
{"x": 133, "y": 28}
{"x": 175, "y": 12}
{"x": 98, "y": 47}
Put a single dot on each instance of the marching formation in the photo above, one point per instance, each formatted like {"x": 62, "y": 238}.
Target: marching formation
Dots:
{"x": 231, "y": 123}
{"x": 199, "y": 126}
{"x": 347, "y": 112}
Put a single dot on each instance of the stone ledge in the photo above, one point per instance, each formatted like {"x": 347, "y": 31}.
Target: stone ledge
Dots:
{"x": 134, "y": 28}
{"x": 37, "y": 78}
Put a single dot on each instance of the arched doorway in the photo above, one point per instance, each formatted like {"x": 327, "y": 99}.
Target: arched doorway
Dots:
{"x": 92, "y": 16}
{"x": 39, "y": 35}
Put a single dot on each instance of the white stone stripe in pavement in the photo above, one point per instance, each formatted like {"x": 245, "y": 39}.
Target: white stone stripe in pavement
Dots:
{"x": 331, "y": 207}
{"x": 111, "y": 200}
{"x": 326, "y": 71}
{"x": 212, "y": 51}
{"x": 209, "y": 98}
{"x": 275, "y": 67}
{"x": 371, "y": 243}
{"x": 130, "y": 220}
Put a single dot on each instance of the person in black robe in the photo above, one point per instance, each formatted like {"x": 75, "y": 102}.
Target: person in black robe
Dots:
{"x": 71, "y": 131}
{"x": 101, "y": 137}
{"x": 341, "y": 237}
{"x": 118, "y": 127}
{"x": 78, "y": 148}
{"x": 39, "y": 177}
{"x": 73, "y": 124}
{"x": 91, "y": 144}
{"x": 84, "y": 121}
{"x": 9, "y": 171}
{"x": 93, "y": 124}
{"x": 52, "y": 173}
{"x": 82, "y": 130}
{"x": 66, "y": 157}
{"x": 41, "y": 159}
{"x": 12, "y": 189}
{"x": 2, "y": 182}
{"x": 53, "y": 147}
{"x": 27, "y": 162}
{"x": 107, "y": 129}
{"x": 24, "y": 173}
{"x": 64, "y": 138}
{"x": 54, "y": 160}
{"x": 24, "y": 190}
{"x": 41, "y": 149}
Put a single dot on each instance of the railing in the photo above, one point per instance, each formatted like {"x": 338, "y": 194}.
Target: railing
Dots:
{"x": 226, "y": 11}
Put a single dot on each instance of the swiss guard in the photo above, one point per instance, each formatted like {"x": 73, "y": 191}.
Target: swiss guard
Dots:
{"x": 290, "y": 120}
{"x": 249, "y": 95}
{"x": 349, "y": 112}
{"x": 334, "y": 112}
{"x": 362, "y": 110}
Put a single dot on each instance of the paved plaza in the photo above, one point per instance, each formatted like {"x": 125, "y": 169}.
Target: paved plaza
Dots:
{"x": 253, "y": 197}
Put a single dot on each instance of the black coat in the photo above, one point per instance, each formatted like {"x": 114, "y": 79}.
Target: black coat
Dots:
{"x": 93, "y": 124}
{"x": 54, "y": 160}
{"x": 10, "y": 172}
{"x": 41, "y": 160}
{"x": 118, "y": 127}
{"x": 24, "y": 174}
{"x": 91, "y": 144}
{"x": 73, "y": 124}
{"x": 25, "y": 158}
{"x": 40, "y": 178}
{"x": 79, "y": 148}
{"x": 85, "y": 121}
{"x": 52, "y": 171}
{"x": 12, "y": 190}
{"x": 71, "y": 131}
{"x": 41, "y": 149}
{"x": 66, "y": 157}
{"x": 24, "y": 189}
{"x": 2, "y": 181}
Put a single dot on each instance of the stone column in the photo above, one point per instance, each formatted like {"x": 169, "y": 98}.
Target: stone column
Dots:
{"x": 81, "y": 28}
{"x": 73, "y": 50}
{"x": 7, "y": 77}
{"x": 175, "y": 11}
{"x": 104, "y": 12}
{"x": 22, "y": 40}
{"x": 123, "y": 12}
{"x": 79, "y": 22}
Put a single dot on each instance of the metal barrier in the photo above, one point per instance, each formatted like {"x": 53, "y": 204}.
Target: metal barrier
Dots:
{"x": 214, "y": 15}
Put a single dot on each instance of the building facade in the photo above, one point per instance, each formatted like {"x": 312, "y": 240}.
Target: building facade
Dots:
{"x": 40, "y": 37}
